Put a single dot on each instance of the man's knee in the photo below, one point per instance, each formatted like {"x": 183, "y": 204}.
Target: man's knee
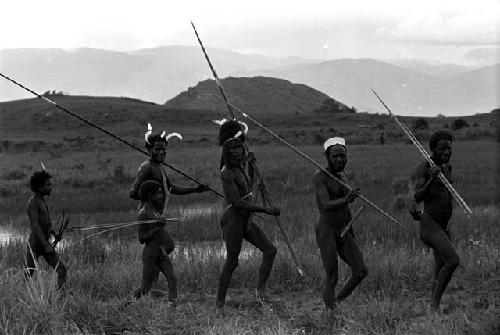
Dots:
{"x": 270, "y": 253}
{"x": 231, "y": 262}
{"x": 453, "y": 262}
{"x": 362, "y": 273}
{"x": 61, "y": 270}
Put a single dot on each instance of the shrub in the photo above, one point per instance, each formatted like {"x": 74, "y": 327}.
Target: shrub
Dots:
{"x": 458, "y": 124}
{"x": 421, "y": 124}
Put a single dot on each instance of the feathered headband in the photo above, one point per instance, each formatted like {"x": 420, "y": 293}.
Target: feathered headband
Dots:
{"x": 230, "y": 129}
{"x": 162, "y": 135}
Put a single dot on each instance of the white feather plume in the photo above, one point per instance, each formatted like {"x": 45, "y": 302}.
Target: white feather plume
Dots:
{"x": 149, "y": 132}
{"x": 43, "y": 166}
{"x": 220, "y": 122}
{"x": 169, "y": 136}
{"x": 244, "y": 125}
{"x": 163, "y": 133}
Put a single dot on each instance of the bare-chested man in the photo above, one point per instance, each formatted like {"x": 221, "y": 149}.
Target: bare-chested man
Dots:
{"x": 438, "y": 206}
{"x": 333, "y": 201}
{"x": 41, "y": 228}
{"x": 236, "y": 222}
{"x": 156, "y": 144}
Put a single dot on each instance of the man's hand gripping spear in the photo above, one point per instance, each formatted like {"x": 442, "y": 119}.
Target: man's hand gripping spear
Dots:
{"x": 260, "y": 187}
{"x": 428, "y": 158}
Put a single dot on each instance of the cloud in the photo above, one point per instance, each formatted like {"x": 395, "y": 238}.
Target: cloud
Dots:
{"x": 438, "y": 25}
{"x": 484, "y": 55}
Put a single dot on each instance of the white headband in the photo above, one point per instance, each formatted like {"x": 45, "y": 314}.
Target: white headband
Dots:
{"x": 333, "y": 141}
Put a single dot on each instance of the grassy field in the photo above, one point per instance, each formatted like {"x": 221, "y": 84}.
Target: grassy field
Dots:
{"x": 104, "y": 271}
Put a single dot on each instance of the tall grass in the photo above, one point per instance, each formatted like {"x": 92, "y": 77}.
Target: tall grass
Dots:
{"x": 103, "y": 272}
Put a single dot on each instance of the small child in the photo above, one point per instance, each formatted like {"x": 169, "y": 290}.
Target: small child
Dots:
{"x": 39, "y": 218}
{"x": 158, "y": 243}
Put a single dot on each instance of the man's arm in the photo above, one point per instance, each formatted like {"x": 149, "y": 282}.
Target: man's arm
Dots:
{"x": 180, "y": 190}
{"x": 324, "y": 199}
{"x": 35, "y": 225}
{"x": 233, "y": 196}
{"x": 422, "y": 184}
{"x": 142, "y": 175}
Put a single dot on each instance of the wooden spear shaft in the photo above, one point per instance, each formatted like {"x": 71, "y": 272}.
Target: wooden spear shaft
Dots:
{"x": 263, "y": 190}
{"x": 349, "y": 225}
{"x": 427, "y": 157}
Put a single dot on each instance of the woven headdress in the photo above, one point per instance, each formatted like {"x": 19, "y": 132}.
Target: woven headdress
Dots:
{"x": 231, "y": 129}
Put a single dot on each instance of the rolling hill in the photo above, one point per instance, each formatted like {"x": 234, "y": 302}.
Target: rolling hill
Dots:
{"x": 256, "y": 95}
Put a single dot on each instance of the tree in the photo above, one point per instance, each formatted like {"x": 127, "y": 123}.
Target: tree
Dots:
{"x": 421, "y": 124}
{"x": 458, "y": 124}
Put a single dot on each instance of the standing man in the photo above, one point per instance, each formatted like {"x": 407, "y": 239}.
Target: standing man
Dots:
{"x": 236, "y": 219}
{"x": 333, "y": 201}
{"x": 156, "y": 145}
{"x": 41, "y": 228}
{"x": 438, "y": 206}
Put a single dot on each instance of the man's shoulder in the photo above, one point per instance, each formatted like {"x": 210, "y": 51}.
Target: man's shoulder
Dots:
{"x": 145, "y": 166}
{"x": 226, "y": 172}
{"x": 33, "y": 201}
{"x": 146, "y": 213}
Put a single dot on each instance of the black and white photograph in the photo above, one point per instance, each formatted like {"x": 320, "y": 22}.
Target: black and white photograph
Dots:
{"x": 250, "y": 167}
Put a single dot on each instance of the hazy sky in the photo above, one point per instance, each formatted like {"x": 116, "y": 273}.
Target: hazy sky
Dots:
{"x": 441, "y": 30}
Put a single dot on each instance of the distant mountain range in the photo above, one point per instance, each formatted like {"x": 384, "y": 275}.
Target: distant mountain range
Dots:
{"x": 159, "y": 74}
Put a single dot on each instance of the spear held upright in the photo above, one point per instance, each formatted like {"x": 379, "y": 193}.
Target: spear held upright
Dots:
{"x": 266, "y": 195}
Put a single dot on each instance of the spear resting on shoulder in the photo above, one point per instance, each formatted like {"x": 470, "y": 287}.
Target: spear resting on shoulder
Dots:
{"x": 435, "y": 218}
{"x": 236, "y": 219}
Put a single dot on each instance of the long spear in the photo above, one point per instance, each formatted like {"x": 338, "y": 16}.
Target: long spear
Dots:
{"x": 266, "y": 195}
{"x": 310, "y": 160}
{"x": 64, "y": 109}
{"x": 428, "y": 158}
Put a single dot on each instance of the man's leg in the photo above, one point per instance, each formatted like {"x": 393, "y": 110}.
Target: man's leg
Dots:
{"x": 233, "y": 234}
{"x": 438, "y": 265}
{"x": 350, "y": 253}
{"x": 167, "y": 268}
{"x": 436, "y": 238}
{"x": 325, "y": 239}
{"x": 149, "y": 269}
{"x": 55, "y": 262}
{"x": 30, "y": 261}
{"x": 256, "y": 236}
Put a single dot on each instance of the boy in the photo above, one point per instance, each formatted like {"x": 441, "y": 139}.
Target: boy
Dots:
{"x": 40, "y": 224}
{"x": 158, "y": 243}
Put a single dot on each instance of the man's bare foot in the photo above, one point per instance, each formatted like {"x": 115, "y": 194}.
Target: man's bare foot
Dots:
{"x": 262, "y": 297}
{"x": 434, "y": 310}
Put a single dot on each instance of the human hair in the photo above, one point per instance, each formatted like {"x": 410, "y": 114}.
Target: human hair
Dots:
{"x": 152, "y": 139}
{"x": 327, "y": 151}
{"x": 148, "y": 188}
{"x": 437, "y": 136}
{"x": 230, "y": 128}
{"x": 38, "y": 179}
